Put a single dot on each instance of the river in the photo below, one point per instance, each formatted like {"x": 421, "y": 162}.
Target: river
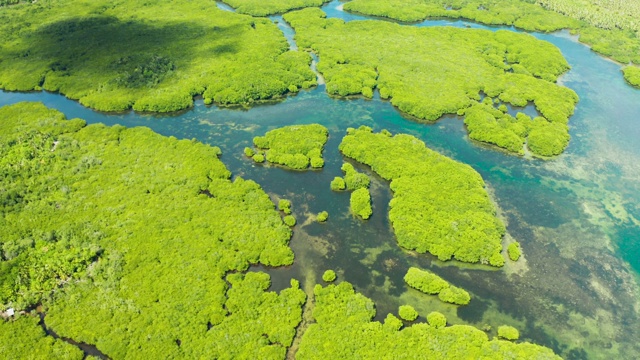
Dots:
{"x": 576, "y": 216}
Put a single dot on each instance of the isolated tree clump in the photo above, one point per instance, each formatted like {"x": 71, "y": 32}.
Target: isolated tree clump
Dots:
{"x": 295, "y": 146}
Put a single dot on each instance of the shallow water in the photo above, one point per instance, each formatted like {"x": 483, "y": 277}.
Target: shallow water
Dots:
{"x": 576, "y": 216}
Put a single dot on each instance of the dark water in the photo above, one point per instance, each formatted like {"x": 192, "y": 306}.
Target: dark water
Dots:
{"x": 576, "y": 217}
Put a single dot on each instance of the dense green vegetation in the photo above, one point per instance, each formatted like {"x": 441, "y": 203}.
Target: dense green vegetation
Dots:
{"x": 284, "y": 206}
{"x": 23, "y": 338}
{"x": 289, "y": 220}
{"x": 360, "y": 202}
{"x": 147, "y": 55}
{"x": 295, "y": 146}
{"x": 521, "y": 14}
{"x": 127, "y": 238}
{"x": 353, "y": 179}
{"x": 407, "y": 312}
{"x": 270, "y": 7}
{"x": 514, "y": 251}
{"x": 322, "y": 216}
{"x": 338, "y": 184}
{"x": 508, "y": 332}
{"x": 439, "y": 205}
{"x": 632, "y": 75}
{"x": 609, "y": 27}
{"x": 345, "y": 316}
{"x": 329, "y": 276}
{"x": 430, "y": 283}
{"x": 437, "y": 320}
{"x": 403, "y": 63}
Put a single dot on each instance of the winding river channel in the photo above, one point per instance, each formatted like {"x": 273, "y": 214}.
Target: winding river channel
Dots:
{"x": 577, "y": 216}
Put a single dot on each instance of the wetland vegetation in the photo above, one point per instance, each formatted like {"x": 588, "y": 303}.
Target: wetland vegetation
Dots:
{"x": 358, "y": 57}
{"x": 136, "y": 244}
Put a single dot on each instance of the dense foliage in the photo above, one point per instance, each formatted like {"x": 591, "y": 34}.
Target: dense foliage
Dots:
{"x": 128, "y": 238}
{"x": 508, "y": 332}
{"x": 437, "y": 320}
{"x": 522, "y": 14}
{"x": 360, "y": 202}
{"x": 439, "y": 205}
{"x": 23, "y": 338}
{"x": 609, "y": 27}
{"x": 284, "y": 205}
{"x": 353, "y": 179}
{"x": 147, "y": 55}
{"x": 329, "y": 276}
{"x": 338, "y": 184}
{"x": 344, "y": 330}
{"x": 632, "y": 75}
{"x": 430, "y": 283}
{"x": 412, "y": 67}
{"x": 322, "y": 216}
{"x": 514, "y": 251}
{"x": 295, "y": 146}
{"x": 270, "y": 7}
{"x": 407, "y": 312}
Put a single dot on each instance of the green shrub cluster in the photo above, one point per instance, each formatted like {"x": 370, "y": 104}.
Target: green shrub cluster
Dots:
{"x": 23, "y": 338}
{"x": 147, "y": 55}
{"x": 407, "y": 312}
{"x": 437, "y": 320}
{"x": 430, "y": 283}
{"x": 289, "y": 220}
{"x": 343, "y": 315}
{"x": 514, "y": 251}
{"x": 249, "y": 152}
{"x": 322, "y": 216}
{"x": 353, "y": 179}
{"x": 126, "y": 227}
{"x": 439, "y": 205}
{"x": 495, "y": 126}
{"x": 360, "y": 202}
{"x": 521, "y": 14}
{"x": 609, "y": 27}
{"x": 338, "y": 184}
{"x": 329, "y": 276}
{"x": 508, "y": 332}
{"x": 412, "y": 67}
{"x": 294, "y": 146}
{"x": 632, "y": 75}
{"x": 270, "y": 7}
{"x": 284, "y": 206}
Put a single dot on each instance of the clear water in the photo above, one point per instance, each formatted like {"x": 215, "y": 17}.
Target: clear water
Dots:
{"x": 577, "y": 216}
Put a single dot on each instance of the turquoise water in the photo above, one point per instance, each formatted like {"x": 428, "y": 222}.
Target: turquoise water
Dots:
{"x": 576, "y": 290}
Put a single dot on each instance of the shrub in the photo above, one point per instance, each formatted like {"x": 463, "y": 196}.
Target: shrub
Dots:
{"x": 322, "y": 216}
{"x": 289, "y": 220}
{"x": 294, "y": 146}
{"x": 353, "y": 179}
{"x": 425, "y": 281}
{"x": 514, "y": 251}
{"x": 284, "y": 206}
{"x": 329, "y": 276}
{"x": 361, "y": 203}
{"x": 437, "y": 320}
{"x": 407, "y": 312}
{"x": 454, "y": 295}
{"x": 508, "y": 332}
{"x": 248, "y": 152}
{"x": 338, "y": 184}
{"x": 259, "y": 158}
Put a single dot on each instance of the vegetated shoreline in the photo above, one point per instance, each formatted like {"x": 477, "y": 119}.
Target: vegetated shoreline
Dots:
{"x": 575, "y": 32}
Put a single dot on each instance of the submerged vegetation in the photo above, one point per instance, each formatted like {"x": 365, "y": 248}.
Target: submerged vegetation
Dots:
{"x": 412, "y": 67}
{"x": 439, "y": 206}
{"x": 295, "y": 146}
{"x": 147, "y": 55}
{"x": 430, "y": 283}
{"x": 343, "y": 314}
{"x": 125, "y": 227}
{"x": 270, "y": 7}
